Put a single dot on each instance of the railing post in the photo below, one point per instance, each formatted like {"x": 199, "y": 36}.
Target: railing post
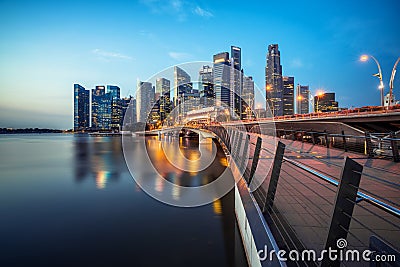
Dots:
{"x": 236, "y": 149}
{"x": 368, "y": 145}
{"x": 395, "y": 148}
{"x": 346, "y": 196}
{"x": 245, "y": 154}
{"x": 344, "y": 142}
{"x": 273, "y": 182}
{"x": 256, "y": 157}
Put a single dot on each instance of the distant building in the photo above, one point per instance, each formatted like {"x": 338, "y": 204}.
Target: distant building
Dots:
{"x": 206, "y": 86}
{"x": 81, "y": 108}
{"x": 101, "y": 109}
{"x": 288, "y": 95}
{"x": 247, "y": 97}
{"x": 260, "y": 113}
{"x": 221, "y": 75}
{"x": 186, "y": 98}
{"x": 163, "y": 89}
{"x": 144, "y": 100}
{"x": 325, "y": 103}
{"x": 273, "y": 80}
{"x": 128, "y": 103}
{"x": 116, "y": 109}
{"x": 236, "y": 80}
{"x": 302, "y": 99}
{"x": 393, "y": 102}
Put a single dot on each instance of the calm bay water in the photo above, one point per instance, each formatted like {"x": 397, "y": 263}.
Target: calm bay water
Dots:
{"x": 70, "y": 200}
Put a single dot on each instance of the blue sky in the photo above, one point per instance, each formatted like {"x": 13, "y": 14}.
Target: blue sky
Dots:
{"x": 47, "y": 46}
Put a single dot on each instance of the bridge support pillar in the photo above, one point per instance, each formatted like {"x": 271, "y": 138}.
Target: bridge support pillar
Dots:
{"x": 346, "y": 197}
{"x": 344, "y": 142}
{"x": 395, "y": 148}
{"x": 368, "y": 145}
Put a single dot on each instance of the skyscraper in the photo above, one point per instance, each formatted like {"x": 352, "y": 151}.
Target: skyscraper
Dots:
{"x": 288, "y": 95}
{"x": 128, "y": 104}
{"x": 303, "y": 100}
{"x": 236, "y": 79}
{"x": 247, "y": 97}
{"x": 81, "y": 108}
{"x": 101, "y": 109}
{"x": 116, "y": 109}
{"x": 163, "y": 88}
{"x": 273, "y": 80}
{"x": 186, "y": 98}
{"x": 325, "y": 103}
{"x": 221, "y": 75}
{"x": 144, "y": 100}
{"x": 206, "y": 86}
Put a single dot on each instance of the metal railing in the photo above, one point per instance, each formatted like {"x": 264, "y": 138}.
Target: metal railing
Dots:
{"x": 357, "y": 201}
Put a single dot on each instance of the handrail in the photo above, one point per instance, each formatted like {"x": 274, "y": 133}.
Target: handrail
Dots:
{"x": 377, "y": 203}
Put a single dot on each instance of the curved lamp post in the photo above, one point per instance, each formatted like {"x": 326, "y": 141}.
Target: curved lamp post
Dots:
{"x": 364, "y": 58}
{"x": 392, "y": 81}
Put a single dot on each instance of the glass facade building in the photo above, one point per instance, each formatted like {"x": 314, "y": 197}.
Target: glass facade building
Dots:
{"x": 247, "y": 97}
{"x": 302, "y": 99}
{"x": 236, "y": 79}
{"x": 163, "y": 89}
{"x": 325, "y": 103}
{"x": 101, "y": 109}
{"x": 221, "y": 76}
{"x": 116, "y": 109}
{"x": 144, "y": 100}
{"x": 81, "y": 108}
{"x": 288, "y": 95}
{"x": 206, "y": 86}
{"x": 273, "y": 80}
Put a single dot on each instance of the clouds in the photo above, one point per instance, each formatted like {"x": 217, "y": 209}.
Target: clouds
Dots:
{"x": 179, "y": 9}
{"x": 202, "y": 12}
{"x": 179, "y": 56}
{"x": 296, "y": 63}
{"x": 107, "y": 55}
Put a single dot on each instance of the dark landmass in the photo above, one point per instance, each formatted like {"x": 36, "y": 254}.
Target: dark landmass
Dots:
{"x": 31, "y": 130}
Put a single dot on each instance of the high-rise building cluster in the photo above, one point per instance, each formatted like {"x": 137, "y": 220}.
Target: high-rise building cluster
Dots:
{"x": 281, "y": 94}
{"x": 221, "y": 85}
{"x": 106, "y": 111}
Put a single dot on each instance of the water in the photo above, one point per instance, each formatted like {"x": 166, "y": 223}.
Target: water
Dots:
{"x": 70, "y": 201}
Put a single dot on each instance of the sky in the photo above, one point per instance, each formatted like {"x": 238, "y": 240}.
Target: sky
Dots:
{"x": 47, "y": 46}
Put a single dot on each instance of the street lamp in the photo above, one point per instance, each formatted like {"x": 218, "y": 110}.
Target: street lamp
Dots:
{"x": 392, "y": 81}
{"x": 365, "y": 58}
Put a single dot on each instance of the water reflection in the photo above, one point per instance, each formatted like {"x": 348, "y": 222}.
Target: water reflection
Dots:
{"x": 189, "y": 147}
{"x": 98, "y": 158}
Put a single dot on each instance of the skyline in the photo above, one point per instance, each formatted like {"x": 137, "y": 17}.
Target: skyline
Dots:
{"x": 50, "y": 46}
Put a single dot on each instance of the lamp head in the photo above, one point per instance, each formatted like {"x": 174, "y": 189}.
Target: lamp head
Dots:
{"x": 364, "y": 58}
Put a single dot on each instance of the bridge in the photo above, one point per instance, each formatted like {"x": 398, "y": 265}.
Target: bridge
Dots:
{"x": 304, "y": 189}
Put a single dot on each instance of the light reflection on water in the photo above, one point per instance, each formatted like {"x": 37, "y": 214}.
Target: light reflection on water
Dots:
{"x": 70, "y": 201}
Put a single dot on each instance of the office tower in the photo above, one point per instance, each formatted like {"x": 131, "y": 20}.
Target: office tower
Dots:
{"x": 81, "y": 108}
{"x": 144, "y": 100}
{"x": 128, "y": 104}
{"x": 163, "y": 88}
{"x": 273, "y": 80}
{"x": 302, "y": 99}
{"x": 325, "y": 102}
{"x": 116, "y": 109}
{"x": 186, "y": 98}
{"x": 236, "y": 79}
{"x": 101, "y": 109}
{"x": 221, "y": 75}
{"x": 206, "y": 86}
{"x": 288, "y": 95}
{"x": 247, "y": 97}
